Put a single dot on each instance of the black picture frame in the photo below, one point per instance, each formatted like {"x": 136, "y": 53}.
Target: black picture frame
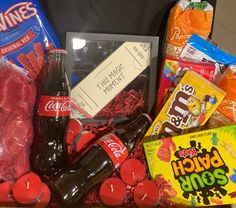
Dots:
{"x": 113, "y": 41}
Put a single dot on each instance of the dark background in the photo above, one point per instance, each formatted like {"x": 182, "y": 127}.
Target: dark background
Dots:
{"x": 136, "y": 17}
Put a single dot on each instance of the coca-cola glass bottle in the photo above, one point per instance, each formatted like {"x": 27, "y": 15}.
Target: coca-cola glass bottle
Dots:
{"x": 48, "y": 152}
{"x": 98, "y": 162}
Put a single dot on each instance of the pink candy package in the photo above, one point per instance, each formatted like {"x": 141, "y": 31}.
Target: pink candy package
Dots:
{"x": 17, "y": 93}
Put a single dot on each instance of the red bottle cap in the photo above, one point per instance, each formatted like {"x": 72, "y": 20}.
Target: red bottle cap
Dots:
{"x": 27, "y": 188}
{"x": 146, "y": 194}
{"x": 6, "y": 192}
{"x": 82, "y": 140}
{"x": 132, "y": 171}
{"x": 74, "y": 128}
{"x": 112, "y": 192}
{"x": 57, "y": 50}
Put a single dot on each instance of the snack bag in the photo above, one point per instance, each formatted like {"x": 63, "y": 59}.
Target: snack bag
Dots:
{"x": 199, "y": 167}
{"x": 202, "y": 50}
{"x": 228, "y": 105}
{"x": 25, "y": 34}
{"x": 186, "y": 18}
{"x": 189, "y": 106}
{"x": 173, "y": 71}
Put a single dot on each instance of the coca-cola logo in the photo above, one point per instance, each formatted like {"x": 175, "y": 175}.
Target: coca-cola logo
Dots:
{"x": 57, "y": 106}
{"x": 16, "y": 14}
{"x": 115, "y": 147}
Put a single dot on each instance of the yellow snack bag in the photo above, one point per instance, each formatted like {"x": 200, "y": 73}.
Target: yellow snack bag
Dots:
{"x": 187, "y": 18}
{"x": 200, "y": 168}
{"x": 190, "y": 105}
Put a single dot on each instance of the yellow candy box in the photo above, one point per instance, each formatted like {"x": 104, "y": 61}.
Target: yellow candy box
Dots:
{"x": 190, "y": 105}
{"x": 199, "y": 168}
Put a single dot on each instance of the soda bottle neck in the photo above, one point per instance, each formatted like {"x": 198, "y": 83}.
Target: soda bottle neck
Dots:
{"x": 55, "y": 82}
{"x": 134, "y": 131}
{"x": 56, "y": 63}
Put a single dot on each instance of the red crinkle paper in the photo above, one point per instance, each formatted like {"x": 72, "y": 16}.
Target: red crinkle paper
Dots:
{"x": 125, "y": 103}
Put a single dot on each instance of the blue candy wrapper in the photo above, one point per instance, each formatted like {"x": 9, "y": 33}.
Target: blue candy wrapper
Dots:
{"x": 202, "y": 50}
{"x": 25, "y": 34}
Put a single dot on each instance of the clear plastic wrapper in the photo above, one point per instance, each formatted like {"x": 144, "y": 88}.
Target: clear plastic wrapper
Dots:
{"x": 17, "y": 94}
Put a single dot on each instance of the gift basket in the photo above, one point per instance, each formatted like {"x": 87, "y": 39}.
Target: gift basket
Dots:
{"x": 121, "y": 104}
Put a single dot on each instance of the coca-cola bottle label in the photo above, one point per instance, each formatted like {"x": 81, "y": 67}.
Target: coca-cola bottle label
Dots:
{"x": 115, "y": 148}
{"x": 54, "y": 106}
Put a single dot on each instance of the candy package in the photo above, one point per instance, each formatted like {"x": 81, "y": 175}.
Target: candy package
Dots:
{"x": 25, "y": 34}
{"x": 186, "y": 18}
{"x": 17, "y": 93}
{"x": 200, "y": 167}
{"x": 188, "y": 108}
{"x": 202, "y": 50}
{"x": 174, "y": 69}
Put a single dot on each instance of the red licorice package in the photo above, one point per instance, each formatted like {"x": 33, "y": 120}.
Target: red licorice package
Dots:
{"x": 173, "y": 70}
{"x": 25, "y": 35}
{"x": 17, "y": 93}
